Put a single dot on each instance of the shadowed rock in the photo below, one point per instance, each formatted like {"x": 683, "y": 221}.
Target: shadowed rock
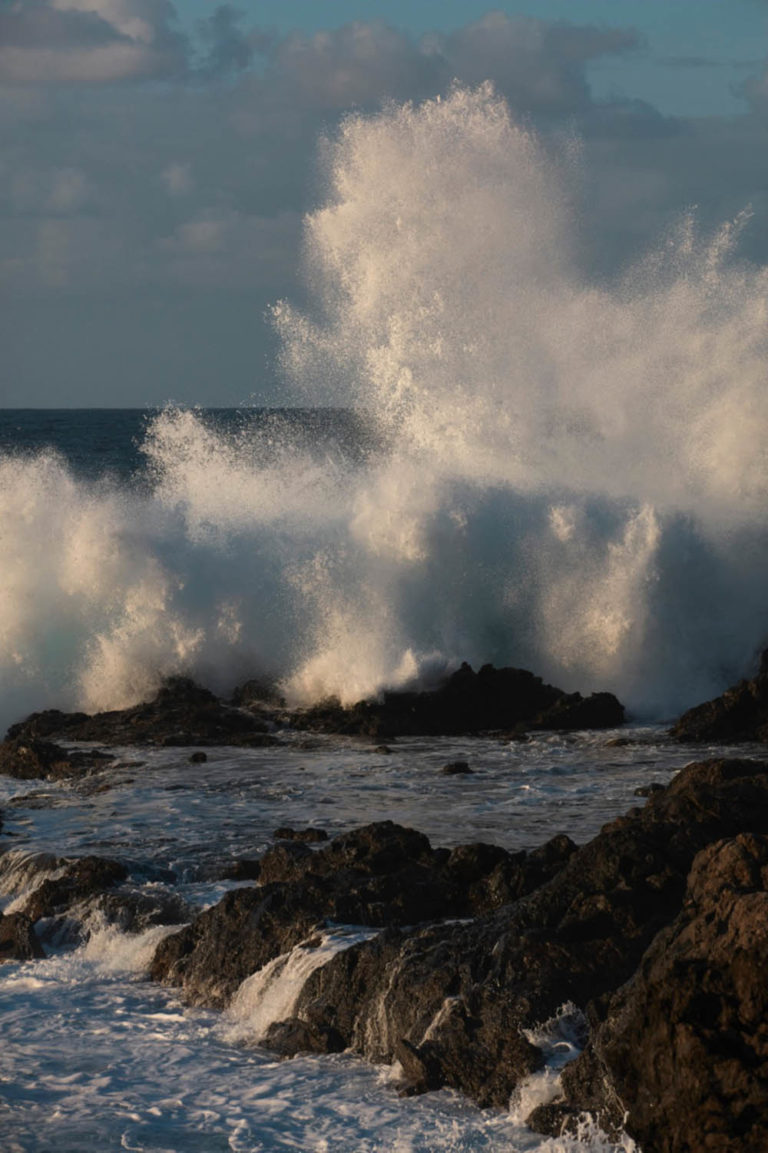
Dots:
{"x": 740, "y": 714}
{"x": 17, "y": 939}
{"x": 683, "y": 1048}
{"x": 468, "y": 702}
{"x": 181, "y": 714}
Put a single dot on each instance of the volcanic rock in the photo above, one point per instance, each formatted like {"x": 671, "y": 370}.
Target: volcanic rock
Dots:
{"x": 468, "y": 702}
{"x": 17, "y": 939}
{"x": 380, "y": 875}
{"x": 30, "y": 758}
{"x": 681, "y": 1058}
{"x": 181, "y": 714}
{"x": 740, "y": 714}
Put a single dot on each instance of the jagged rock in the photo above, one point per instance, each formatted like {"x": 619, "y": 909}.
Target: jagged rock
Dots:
{"x": 470, "y": 989}
{"x": 30, "y": 758}
{"x": 17, "y": 939}
{"x": 80, "y": 878}
{"x": 683, "y": 1050}
{"x": 181, "y": 714}
{"x": 309, "y": 835}
{"x": 740, "y": 714}
{"x": 379, "y": 875}
{"x": 467, "y": 702}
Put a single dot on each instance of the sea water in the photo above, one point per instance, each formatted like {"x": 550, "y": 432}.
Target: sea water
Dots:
{"x": 498, "y": 459}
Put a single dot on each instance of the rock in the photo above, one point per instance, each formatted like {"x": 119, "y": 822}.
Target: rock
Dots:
{"x": 80, "y": 878}
{"x": 17, "y": 939}
{"x": 467, "y": 702}
{"x": 740, "y": 714}
{"x": 198, "y": 758}
{"x": 471, "y": 989}
{"x": 648, "y": 790}
{"x": 181, "y": 714}
{"x": 380, "y": 875}
{"x": 572, "y": 711}
{"x": 33, "y": 758}
{"x": 683, "y": 1049}
{"x": 309, "y": 835}
{"x": 456, "y": 768}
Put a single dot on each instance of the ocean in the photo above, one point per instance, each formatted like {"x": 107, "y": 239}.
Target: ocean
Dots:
{"x": 496, "y": 460}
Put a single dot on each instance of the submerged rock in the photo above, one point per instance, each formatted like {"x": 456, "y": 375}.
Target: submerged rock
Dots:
{"x": 181, "y": 714}
{"x": 740, "y": 714}
{"x": 468, "y": 702}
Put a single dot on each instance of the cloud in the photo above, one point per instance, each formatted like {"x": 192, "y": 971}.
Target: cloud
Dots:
{"x": 88, "y": 42}
{"x": 138, "y": 165}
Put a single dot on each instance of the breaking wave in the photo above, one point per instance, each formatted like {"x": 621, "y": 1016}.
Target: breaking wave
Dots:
{"x": 566, "y": 475}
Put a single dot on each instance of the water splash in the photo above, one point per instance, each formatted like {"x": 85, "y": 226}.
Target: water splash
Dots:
{"x": 571, "y": 476}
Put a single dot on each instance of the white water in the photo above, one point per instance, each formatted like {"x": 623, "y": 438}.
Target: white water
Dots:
{"x": 574, "y": 476}
{"x": 93, "y": 1057}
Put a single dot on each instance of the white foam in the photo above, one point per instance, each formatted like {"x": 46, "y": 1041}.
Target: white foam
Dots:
{"x": 574, "y": 477}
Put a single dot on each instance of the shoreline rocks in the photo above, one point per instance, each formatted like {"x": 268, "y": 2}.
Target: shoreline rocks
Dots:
{"x": 739, "y": 714}
{"x": 478, "y": 946}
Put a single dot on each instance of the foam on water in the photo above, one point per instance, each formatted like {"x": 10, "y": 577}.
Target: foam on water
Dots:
{"x": 572, "y": 475}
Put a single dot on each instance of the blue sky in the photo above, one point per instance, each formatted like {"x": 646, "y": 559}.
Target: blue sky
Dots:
{"x": 157, "y": 158}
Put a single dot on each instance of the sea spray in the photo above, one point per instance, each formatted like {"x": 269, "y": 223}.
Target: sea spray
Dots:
{"x": 567, "y": 475}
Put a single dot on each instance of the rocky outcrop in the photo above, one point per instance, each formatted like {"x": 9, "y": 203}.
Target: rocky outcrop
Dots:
{"x": 33, "y": 759}
{"x": 381, "y": 875}
{"x": 181, "y": 714}
{"x": 467, "y": 702}
{"x": 502, "y": 948}
{"x": 681, "y": 1056}
{"x": 740, "y": 714}
{"x": 17, "y": 939}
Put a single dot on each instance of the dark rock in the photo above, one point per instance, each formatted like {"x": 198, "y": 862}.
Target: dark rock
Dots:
{"x": 258, "y": 694}
{"x": 648, "y": 790}
{"x": 572, "y": 711}
{"x": 181, "y": 714}
{"x": 18, "y": 941}
{"x": 310, "y": 835}
{"x": 81, "y": 878}
{"x": 740, "y": 714}
{"x": 684, "y": 1046}
{"x": 243, "y": 869}
{"x": 380, "y": 875}
{"x": 198, "y": 758}
{"x": 34, "y": 758}
{"x": 287, "y": 1038}
{"x": 467, "y": 702}
{"x": 554, "y": 1120}
{"x": 456, "y": 768}
{"x": 471, "y": 989}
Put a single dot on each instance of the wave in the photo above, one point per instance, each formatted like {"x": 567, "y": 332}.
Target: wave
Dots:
{"x": 564, "y": 474}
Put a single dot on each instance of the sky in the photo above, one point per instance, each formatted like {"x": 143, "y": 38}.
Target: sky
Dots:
{"x": 157, "y": 158}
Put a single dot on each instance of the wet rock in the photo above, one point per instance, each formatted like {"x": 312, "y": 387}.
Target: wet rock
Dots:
{"x": 380, "y": 875}
{"x": 198, "y": 758}
{"x": 18, "y": 941}
{"x": 181, "y": 714}
{"x": 648, "y": 790}
{"x": 471, "y": 989}
{"x": 79, "y": 879}
{"x": 683, "y": 1048}
{"x": 572, "y": 711}
{"x": 309, "y": 835}
{"x": 31, "y": 758}
{"x": 243, "y": 869}
{"x": 740, "y": 714}
{"x": 456, "y": 769}
{"x": 468, "y": 702}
